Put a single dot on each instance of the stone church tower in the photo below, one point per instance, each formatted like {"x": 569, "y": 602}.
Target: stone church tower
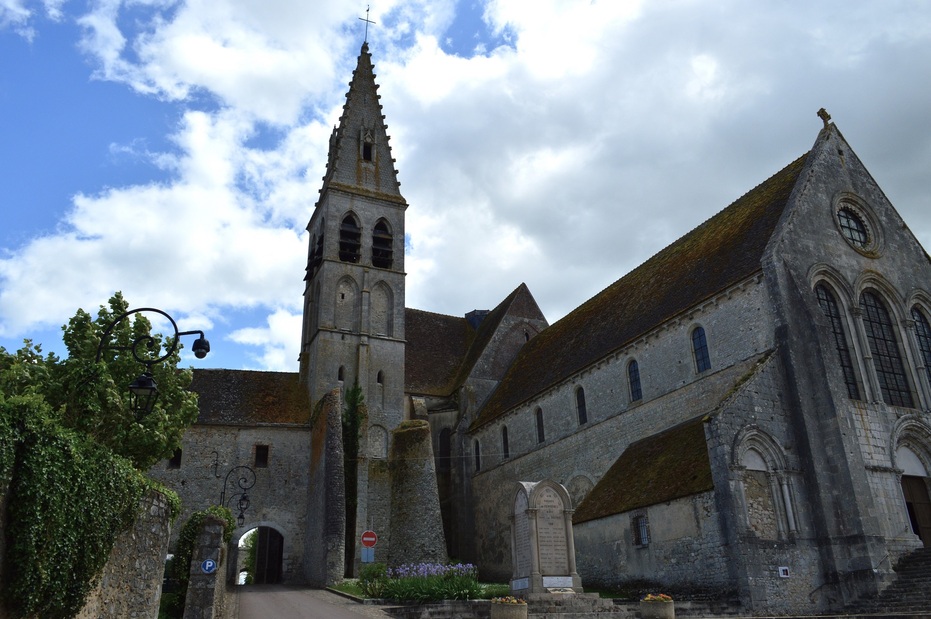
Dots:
{"x": 353, "y": 330}
{"x": 354, "y": 286}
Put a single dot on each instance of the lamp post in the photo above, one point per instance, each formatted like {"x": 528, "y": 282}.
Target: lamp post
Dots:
{"x": 245, "y": 481}
{"x": 144, "y": 390}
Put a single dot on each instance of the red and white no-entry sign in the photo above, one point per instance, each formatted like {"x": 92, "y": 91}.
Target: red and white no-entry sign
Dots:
{"x": 369, "y": 539}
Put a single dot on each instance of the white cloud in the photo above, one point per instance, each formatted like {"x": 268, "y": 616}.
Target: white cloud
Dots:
{"x": 600, "y": 133}
{"x": 279, "y": 341}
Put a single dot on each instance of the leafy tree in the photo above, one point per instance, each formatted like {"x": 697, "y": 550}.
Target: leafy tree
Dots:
{"x": 66, "y": 427}
{"x": 250, "y": 547}
{"x": 92, "y": 397}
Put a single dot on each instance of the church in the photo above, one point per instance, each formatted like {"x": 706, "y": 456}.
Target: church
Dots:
{"x": 746, "y": 412}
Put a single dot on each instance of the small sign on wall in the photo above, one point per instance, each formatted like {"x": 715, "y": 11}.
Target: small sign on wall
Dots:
{"x": 368, "y": 555}
{"x": 783, "y": 572}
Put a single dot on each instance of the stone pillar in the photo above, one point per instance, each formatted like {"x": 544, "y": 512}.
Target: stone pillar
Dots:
{"x": 206, "y": 591}
{"x": 131, "y": 582}
{"x": 416, "y": 521}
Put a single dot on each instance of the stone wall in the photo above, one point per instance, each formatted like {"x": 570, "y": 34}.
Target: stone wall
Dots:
{"x": 685, "y": 548}
{"x": 578, "y": 455}
{"x": 210, "y": 452}
{"x": 131, "y": 583}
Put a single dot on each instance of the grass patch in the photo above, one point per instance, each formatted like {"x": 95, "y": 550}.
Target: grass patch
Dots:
{"x": 349, "y": 586}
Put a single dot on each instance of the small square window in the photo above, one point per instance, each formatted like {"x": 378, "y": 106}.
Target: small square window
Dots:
{"x": 261, "y": 456}
{"x": 175, "y": 461}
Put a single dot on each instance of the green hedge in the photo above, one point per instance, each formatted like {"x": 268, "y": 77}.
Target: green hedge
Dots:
{"x": 69, "y": 498}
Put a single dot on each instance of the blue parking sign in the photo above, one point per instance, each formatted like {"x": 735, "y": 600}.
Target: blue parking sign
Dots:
{"x": 209, "y": 566}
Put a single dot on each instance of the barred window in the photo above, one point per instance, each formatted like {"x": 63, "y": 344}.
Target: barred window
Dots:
{"x": 829, "y": 308}
{"x": 633, "y": 381}
{"x": 923, "y": 333}
{"x": 641, "y": 530}
{"x": 887, "y": 359}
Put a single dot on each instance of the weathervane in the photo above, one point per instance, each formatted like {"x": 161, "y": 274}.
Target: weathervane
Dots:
{"x": 367, "y": 22}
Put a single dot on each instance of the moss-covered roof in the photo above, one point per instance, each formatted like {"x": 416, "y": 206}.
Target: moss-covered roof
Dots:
{"x": 669, "y": 465}
{"x": 718, "y": 254}
{"x": 436, "y": 346}
{"x": 241, "y": 397}
{"x": 442, "y": 350}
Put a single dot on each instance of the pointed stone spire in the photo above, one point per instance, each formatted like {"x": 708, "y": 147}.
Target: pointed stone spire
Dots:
{"x": 360, "y": 160}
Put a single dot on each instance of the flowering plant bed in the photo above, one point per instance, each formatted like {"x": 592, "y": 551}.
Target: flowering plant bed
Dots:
{"x": 508, "y": 599}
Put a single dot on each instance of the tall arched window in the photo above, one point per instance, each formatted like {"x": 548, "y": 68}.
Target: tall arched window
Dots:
{"x": 382, "y": 251}
{"x": 633, "y": 381}
{"x": 541, "y": 436}
{"x": 887, "y": 359}
{"x": 829, "y": 308}
{"x": 350, "y": 239}
{"x": 700, "y": 350}
{"x": 505, "y": 448}
{"x": 923, "y": 333}
{"x": 580, "y": 406}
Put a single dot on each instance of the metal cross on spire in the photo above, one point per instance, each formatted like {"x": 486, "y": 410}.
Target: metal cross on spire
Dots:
{"x": 367, "y": 22}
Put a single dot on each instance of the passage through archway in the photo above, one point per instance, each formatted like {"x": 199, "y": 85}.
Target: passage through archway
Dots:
{"x": 261, "y": 555}
{"x": 915, "y": 490}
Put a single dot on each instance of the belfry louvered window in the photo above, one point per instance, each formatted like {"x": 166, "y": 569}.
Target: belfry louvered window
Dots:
{"x": 887, "y": 359}
{"x": 829, "y": 308}
{"x": 350, "y": 240}
{"x": 382, "y": 252}
{"x": 923, "y": 333}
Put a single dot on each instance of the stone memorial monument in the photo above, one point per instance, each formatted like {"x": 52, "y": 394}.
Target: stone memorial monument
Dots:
{"x": 542, "y": 546}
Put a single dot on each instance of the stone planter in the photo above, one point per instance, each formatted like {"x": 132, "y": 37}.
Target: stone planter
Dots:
{"x": 508, "y": 611}
{"x": 657, "y": 610}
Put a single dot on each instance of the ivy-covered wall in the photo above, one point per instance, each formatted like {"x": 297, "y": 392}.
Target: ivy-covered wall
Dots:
{"x": 131, "y": 582}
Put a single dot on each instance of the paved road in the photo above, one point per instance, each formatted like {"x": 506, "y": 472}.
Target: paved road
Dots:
{"x": 280, "y": 602}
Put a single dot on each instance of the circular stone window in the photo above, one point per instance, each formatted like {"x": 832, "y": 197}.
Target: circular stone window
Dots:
{"x": 858, "y": 226}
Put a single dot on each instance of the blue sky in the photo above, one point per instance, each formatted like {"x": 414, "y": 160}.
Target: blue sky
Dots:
{"x": 173, "y": 150}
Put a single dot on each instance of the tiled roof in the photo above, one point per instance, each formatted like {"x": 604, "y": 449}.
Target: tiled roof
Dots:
{"x": 669, "y": 465}
{"x": 718, "y": 254}
{"x": 436, "y": 346}
{"x": 442, "y": 350}
{"x": 241, "y": 397}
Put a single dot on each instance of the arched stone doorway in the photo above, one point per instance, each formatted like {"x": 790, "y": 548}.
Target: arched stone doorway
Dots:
{"x": 261, "y": 554}
{"x": 915, "y": 490}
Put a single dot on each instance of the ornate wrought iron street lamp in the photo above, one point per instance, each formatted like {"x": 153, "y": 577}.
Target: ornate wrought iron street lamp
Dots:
{"x": 145, "y": 348}
{"x": 245, "y": 481}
